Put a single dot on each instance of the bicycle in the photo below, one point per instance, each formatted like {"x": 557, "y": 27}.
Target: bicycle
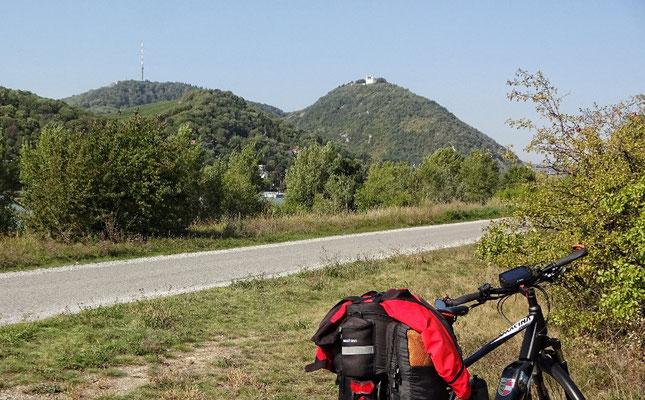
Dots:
{"x": 541, "y": 371}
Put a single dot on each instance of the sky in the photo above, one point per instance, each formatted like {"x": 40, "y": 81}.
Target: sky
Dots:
{"x": 290, "y": 53}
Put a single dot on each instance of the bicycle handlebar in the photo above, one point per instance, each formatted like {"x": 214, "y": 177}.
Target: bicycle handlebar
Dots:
{"x": 579, "y": 253}
{"x": 467, "y": 298}
{"x": 546, "y": 274}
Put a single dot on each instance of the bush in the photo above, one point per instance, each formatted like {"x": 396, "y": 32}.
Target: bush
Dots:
{"x": 596, "y": 197}
{"x": 117, "y": 178}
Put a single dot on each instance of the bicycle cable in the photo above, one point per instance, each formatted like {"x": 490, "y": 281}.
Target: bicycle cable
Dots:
{"x": 502, "y": 300}
{"x": 548, "y": 302}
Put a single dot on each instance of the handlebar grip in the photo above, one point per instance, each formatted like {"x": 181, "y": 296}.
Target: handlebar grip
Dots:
{"x": 463, "y": 299}
{"x": 579, "y": 253}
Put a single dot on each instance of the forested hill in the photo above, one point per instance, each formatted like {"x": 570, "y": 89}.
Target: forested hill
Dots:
{"x": 224, "y": 122}
{"x": 23, "y": 114}
{"x": 269, "y": 109}
{"x": 388, "y": 122}
{"x": 126, "y": 94}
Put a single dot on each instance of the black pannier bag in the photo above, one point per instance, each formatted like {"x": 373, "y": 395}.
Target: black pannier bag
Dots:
{"x": 390, "y": 346}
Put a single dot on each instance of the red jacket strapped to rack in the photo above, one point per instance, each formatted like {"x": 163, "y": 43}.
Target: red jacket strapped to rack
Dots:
{"x": 416, "y": 313}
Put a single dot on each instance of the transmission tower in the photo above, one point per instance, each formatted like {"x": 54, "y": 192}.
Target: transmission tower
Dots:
{"x": 142, "y": 60}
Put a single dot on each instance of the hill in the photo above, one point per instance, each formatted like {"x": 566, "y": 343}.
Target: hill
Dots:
{"x": 22, "y": 116}
{"x": 126, "y": 94}
{"x": 383, "y": 121}
{"x": 224, "y": 122}
{"x": 269, "y": 109}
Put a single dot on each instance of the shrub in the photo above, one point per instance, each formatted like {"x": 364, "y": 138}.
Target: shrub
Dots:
{"x": 117, "y": 178}
{"x": 595, "y": 196}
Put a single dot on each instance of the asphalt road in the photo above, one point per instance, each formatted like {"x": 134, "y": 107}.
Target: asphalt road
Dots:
{"x": 38, "y": 294}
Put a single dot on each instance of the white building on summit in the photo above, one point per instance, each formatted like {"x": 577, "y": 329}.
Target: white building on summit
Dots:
{"x": 369, "y": 79}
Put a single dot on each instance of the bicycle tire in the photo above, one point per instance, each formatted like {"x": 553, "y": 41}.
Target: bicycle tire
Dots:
{"x": 556, "y": 384}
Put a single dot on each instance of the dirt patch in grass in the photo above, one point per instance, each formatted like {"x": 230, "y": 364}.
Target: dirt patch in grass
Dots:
{"x": 167, "y": 371}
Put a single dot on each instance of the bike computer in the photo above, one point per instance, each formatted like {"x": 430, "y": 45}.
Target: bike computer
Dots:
{"x": 515, "y": 277}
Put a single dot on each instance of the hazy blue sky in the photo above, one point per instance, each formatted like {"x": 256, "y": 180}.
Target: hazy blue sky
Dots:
{"x": 289, "y": 53}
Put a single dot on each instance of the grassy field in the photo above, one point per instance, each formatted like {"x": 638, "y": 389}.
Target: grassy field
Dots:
{"x": 251, "y": 340}
{"x": 28, "y": 251}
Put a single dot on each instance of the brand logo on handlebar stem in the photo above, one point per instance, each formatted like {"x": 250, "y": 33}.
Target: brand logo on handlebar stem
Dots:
{"x": 518, "y": 326}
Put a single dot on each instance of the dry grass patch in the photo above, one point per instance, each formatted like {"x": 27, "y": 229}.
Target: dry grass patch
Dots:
{"x": 30, "y": 250}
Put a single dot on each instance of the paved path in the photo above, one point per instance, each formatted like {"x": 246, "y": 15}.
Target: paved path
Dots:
{"x": 37, "y": 294}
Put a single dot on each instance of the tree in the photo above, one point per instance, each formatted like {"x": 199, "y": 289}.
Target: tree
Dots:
{"x": 515, "y": 182}
{"x": 480, "y": 176}
{"x": 242, "y": 184}
{"x": 387, "y": 185}
{"x": 309, "y": 174}
{"x": 212, "y": 190}
{"x": 516, "y": 175}
{"x": 7, "y": 221}
{"x": 337, "y": 195}
{"x": 438, "y": 178}
{"x": 596, "y": 197}
{"x": 116, "y": 179}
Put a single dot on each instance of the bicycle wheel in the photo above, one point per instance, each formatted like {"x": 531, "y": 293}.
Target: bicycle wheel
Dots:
{"x": 551, "y": 382}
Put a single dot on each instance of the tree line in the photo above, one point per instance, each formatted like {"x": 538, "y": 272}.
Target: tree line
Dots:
{"x": 117, "y": 179}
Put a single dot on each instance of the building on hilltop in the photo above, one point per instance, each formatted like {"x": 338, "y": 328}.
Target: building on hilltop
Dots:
{"x": 369, "y": 79}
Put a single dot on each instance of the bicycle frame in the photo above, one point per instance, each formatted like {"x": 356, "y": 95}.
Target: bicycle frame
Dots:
{"x": 534, "y": 338}
{"x": 517, "y": 376}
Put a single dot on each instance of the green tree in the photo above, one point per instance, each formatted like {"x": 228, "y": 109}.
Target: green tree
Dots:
{"x": 309, "y": 174}
{"x": 7, "y": 221}
{"x": 242, "y": 184}
{"x": 117, "y": 178}
{"x": 337, "y": 195}
{"x": 387, "y": 185}
{"x": 480, "y": 176}
{"x": 212, "y": 190}
{"x": 438, "y": 178}
{"x": 596, "y": 197}
{"x": 515, "y": 182}
{"x": 516, "y": 175}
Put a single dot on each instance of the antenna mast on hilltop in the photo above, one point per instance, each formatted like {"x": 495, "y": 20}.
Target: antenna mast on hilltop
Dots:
{"x": 142, "y": 60}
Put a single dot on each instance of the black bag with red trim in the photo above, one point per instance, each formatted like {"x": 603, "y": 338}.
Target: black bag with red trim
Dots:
{"x": 390, "y": 346}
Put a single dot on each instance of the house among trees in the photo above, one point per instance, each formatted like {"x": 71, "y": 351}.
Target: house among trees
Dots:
{"x": 369, "y": 79}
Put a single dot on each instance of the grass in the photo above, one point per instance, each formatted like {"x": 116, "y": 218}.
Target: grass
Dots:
{"x": 251, "y": 340}
{"x": 29, "y": 251}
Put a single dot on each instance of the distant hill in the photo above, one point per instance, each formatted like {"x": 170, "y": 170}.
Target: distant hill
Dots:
{"x": 269, "y": 109}
{"x": 224, "y": 122}
{"x": 383, "y": 121}
{"x": 22, "y": 116}
{"x": 126, "y": 94}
